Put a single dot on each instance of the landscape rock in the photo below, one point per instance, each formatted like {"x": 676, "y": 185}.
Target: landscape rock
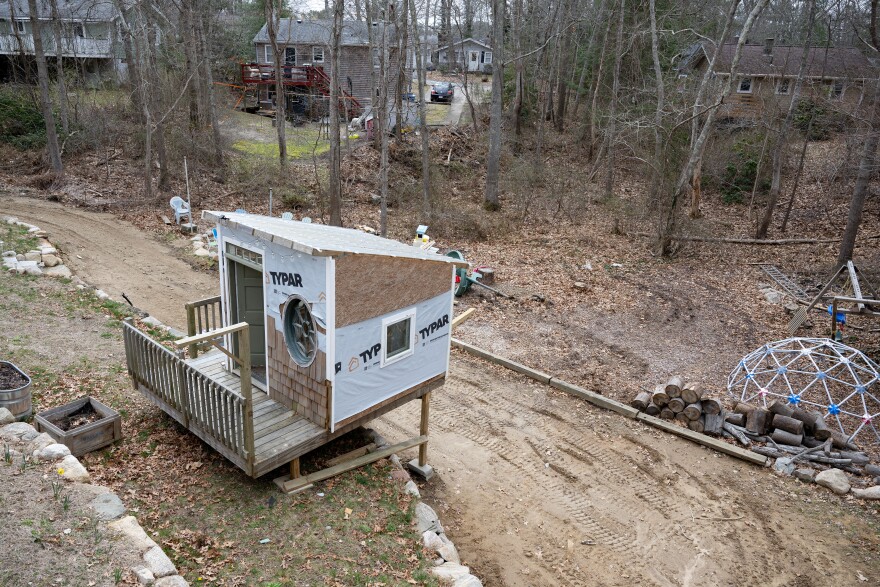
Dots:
{"x": 101, "y": 294}
{"x": 108, "y": 506}
{"x": 144, "y": 575}
{"x": 152, "y": 321}
{"x": 449, "y": 553}
{"x": 19, "y": 257}
{"x": 426, "y": 518}
{"x": 39, "y": 443}
{"x": 580, "y": 285}
{"x": 8, "y": 254}
{"x": 773, "y": 296}
{"x": 51, "y": 260}
{"x": 873, "y": 470}
{"x": 73, "y": 469}
{"x": 869, "y": 493}
{"x": 131, "y": 529}
{"x": 58, "y": 271}
{"x": 412, "y": 489}
{"x": 784, "y": 466}
{"x": 159, "y": 563}
{"x": 53, "y": 452}
{"x": 450, "y": 572}
{"x": 431, "y": 541}
{"x": 48, "y": 249}
{"x": 6, "y": 417}
{"x": 33, "y": 256}
{"x": 835, "y": 480}
{"x": 468, "y": 581}
{"x": 29, "y": 267}
{"x": 202, "y": 253}
{"x": 807, "y": 475}
{"x": 172, "y": 581}
{"x": 18, "y": 431}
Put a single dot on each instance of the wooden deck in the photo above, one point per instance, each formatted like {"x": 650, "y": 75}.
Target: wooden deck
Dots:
{"x": 280, "y": 435}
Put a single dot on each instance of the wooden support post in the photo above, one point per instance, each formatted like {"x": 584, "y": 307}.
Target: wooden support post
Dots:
{"x": 423, "y": 429}
{"x": 294, "y": 468}
{"x": 834, "y": 319}
{"x": 191, "y": 329}
{"x": 244, "y": 356}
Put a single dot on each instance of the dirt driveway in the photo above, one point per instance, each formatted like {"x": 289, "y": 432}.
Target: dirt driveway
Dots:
{"x": 537, "y": 488}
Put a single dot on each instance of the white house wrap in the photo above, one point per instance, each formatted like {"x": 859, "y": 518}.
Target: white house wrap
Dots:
{"x": 343, "y": 324}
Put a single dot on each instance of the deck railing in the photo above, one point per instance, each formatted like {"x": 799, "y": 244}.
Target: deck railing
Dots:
{"x": 202, "y": 316}
{"x": 190, "y": 397}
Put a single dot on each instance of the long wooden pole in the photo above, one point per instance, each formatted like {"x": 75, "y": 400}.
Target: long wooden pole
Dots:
{"x": 423, "y": 429}
{"x": 244, "y": 356}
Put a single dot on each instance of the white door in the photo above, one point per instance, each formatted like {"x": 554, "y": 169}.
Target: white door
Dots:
{"x": 474, "y": 61}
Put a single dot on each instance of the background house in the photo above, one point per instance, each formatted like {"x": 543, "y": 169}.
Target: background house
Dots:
{"x": 767, "y": 73}
{"x": 307, "y": 43}
{"x": 468, "y": 54}
{"x": 88, "y": 30}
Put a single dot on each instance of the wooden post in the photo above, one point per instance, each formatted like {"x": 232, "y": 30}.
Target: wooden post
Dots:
{"x": 191, "y": 329}
{"x": 244, "y": 355}
{"x": 294, "y": 468}
{"x": 834, "y": 319}
{"x": 423, "y": 430}
{"x": 130, "y": 351}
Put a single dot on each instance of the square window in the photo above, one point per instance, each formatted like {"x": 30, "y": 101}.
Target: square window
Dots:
{"x": 318, "y": 54}
{"x": 397, "y": 337}
{"x": 19, "y": 25}
{"x": 837, "y": 89}
{"x": 268, "y": 54}
{"x": 745, "y": 86}
{"x": 290, "y": 55}
{"x": 783, "y": 86}
{"x": 487, "y": 57}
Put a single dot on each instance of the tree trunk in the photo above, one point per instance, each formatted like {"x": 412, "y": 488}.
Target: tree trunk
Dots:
{"x": 133, "y": 76}
{"x": 423, "y": 111}
{"x": 782, "y": 137}
{"x": 491, "y": 200}
{"x": 519, "y": 78}
{"x": 45, "y": 100}
{"x": 867, "y": 168}
{"x": 661, "y": 100}
{"x": 157, "y": 106}
{"x": 59, "y": 73}
{"x": 217, "y": 139}
{"x": 381, "y": 128}
{"x": 273, "y": 18}
{"x": 612, "y": 114}
{"x": 334, "y": 188}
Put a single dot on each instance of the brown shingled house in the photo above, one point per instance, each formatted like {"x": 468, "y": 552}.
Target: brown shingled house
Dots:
{"x": 767, "y": 73}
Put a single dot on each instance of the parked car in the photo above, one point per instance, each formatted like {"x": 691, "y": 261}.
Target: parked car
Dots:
{"x": 442, "y": 92}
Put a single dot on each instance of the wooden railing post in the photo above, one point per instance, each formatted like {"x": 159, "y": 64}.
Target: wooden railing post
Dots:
{"x": 191, "y": 329}
{"x": 244, "y": 355}
{"x": 130, "y": 350}
{"x": 423, "y": 430}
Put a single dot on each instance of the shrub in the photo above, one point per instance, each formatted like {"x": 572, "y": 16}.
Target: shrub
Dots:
{"x": 825, "y": 120}
{"x": 21, "y": 122}
{"x": 741, "y": 170}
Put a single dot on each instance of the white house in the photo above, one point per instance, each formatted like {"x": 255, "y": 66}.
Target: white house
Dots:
{"x": 468, "y": 54}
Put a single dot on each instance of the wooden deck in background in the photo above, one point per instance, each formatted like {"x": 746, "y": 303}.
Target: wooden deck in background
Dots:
{"x": 280, "y": 435}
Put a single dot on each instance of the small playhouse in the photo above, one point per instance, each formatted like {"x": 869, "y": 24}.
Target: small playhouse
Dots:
{"x": 341, "y": 326}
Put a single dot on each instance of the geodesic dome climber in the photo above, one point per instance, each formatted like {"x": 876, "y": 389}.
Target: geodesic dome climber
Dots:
{"x": 838, "y": 381}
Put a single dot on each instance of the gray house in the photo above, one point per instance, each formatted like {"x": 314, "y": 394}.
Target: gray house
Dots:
{"x": 307, "y": 44}
{"x": 468, "y": 55}
{"x": 88, "y": 35}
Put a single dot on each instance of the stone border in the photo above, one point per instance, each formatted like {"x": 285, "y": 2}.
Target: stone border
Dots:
{"x": 447, "y": 566}
{"x": 23, "y": 440}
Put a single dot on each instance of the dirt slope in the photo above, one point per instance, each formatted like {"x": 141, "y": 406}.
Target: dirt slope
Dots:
{"x": 116, "y": 257}
{"x": 537, "y": 488}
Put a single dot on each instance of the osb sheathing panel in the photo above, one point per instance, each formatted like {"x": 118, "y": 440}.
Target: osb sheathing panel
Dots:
{"x": 371, "y": 285}
{"x": 301, "y": 389}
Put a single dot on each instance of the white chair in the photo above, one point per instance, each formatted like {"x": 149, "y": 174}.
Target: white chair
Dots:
{"x": 306, "y": 220}
{"x": 181, "y": 209}
{"x": 287, "y": 216}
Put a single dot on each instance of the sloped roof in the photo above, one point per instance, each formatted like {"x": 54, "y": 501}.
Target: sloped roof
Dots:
{"x": 79, "y": 10}
{"x": 319, "y": 239}
{"x": 463, "y": 41}
{"x": 317, "y": 32}
{"x": 822, "y": 62}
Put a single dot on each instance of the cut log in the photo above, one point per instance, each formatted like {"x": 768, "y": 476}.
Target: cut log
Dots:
{"x": 712, "y": 423}
{"x": 711, "y": 406}
{"x": 807, "y": 417}
{"x": 692, "y": 393}
{"x": 666, "y": 414}
{"x": 735, "y": 419}
{"x": 857, "y": 457}
{"x": 659, "y": 397}
{"x": 673, "y": 387}
{"x": 758, "y": 421}
{"x": 820, "y": 429}
{"x": 812, "y": 442}
{"x": 734, "y": 432}
{"x": 697, "y": 425}
{"x": 791, "y": 425}
{"x": 783, "y": 437}
{"x": 692, "y": 411}
{"x": 641, "y": 401}
{"x": 652, "y": 409}
{"x": 744, "y": 408}
{"x": 676, "y": 404}
{"x": 680, "y": 417}
{"x": 840, "y": 440}
{"x": 782, "y": 408}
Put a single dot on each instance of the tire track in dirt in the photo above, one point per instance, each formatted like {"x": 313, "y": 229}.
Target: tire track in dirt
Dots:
{"x": 117, "y": 257}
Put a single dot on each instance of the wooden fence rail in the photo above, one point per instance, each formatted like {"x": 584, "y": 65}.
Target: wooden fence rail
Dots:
{"x": 202, "y": 316}
{"x": 217, "y": 414}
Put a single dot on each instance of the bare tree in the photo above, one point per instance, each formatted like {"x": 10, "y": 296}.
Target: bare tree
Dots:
{"x": 59, "y": 67}
{"x": 335, "y": 184}
{"x": 615, "y": 93}
{"x": 423, "y": 109}
{"x": 45, "y": 100}
{"x": 273, "y": 22}
{"x": 380, "y": 118}
{"x": 493, "y": 163}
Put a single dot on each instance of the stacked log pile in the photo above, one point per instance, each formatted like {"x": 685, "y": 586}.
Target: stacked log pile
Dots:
{"x": 780, "y": 430}
{"x": 686, "y": 403}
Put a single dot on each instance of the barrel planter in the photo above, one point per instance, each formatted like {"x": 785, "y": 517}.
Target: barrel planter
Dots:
{"x": 15, "y": 391}
{"x": 83, "y": 425}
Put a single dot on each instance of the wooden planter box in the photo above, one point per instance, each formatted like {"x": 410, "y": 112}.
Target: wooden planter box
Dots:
{"x": 82, "y": 439}
{"x": 18, "y": 400}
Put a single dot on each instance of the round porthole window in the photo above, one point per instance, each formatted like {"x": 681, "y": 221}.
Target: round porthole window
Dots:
{"x": 300, "y": 333}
